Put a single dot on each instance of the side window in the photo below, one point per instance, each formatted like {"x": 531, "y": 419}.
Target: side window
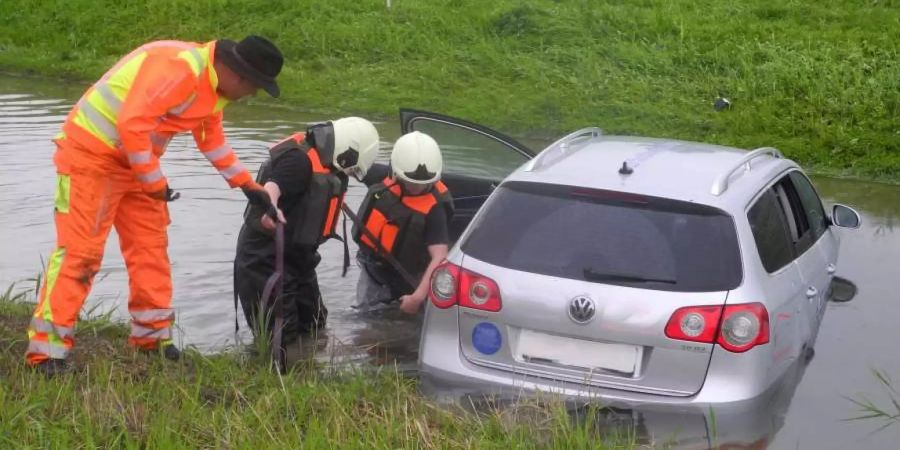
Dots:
{"x": 812, "y": 205}
{"x": 771, "y": 230}
{"x": 467, "y": 151}
{"x": 803, "y": 238}
{"x": 798, "y": 222}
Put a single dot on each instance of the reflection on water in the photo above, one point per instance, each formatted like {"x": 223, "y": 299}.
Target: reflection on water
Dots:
{"x": 855, "y": 336}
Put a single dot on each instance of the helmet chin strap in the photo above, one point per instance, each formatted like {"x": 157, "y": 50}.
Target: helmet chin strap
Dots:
{"x": 355, "y": 174}
{"x": 405, "y": 190}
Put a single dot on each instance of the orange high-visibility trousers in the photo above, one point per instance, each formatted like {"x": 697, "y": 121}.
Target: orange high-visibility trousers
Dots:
{"x": 93, "y": 195}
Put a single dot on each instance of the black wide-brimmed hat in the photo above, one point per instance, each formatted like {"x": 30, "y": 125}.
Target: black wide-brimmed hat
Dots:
{"x": 254, "y": 58}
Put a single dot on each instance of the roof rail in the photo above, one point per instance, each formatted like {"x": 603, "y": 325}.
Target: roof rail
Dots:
{"x": 563, "y": 147}
{"x": 721, "y": 184}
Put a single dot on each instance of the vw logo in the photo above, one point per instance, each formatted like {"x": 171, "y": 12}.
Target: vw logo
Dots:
{"x": 581, "y": 309}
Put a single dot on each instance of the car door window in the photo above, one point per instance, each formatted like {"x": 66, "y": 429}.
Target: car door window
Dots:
{"x": 802, "y": 234}
{"x": 771, "y": 230}
{"x": 811, "y": 204}
{"x": 784, "y": 204}
{"x": 470, "y": 151}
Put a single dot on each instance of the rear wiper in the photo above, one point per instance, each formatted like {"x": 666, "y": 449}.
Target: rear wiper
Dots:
{"x": 591, "y": 275}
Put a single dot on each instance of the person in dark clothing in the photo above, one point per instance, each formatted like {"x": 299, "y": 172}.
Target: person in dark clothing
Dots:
{"x": 306, "y": 176}
{"x": 408, "y": 214}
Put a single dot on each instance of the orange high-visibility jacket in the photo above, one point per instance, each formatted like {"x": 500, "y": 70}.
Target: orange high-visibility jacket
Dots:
{"x": 156, "y": 91}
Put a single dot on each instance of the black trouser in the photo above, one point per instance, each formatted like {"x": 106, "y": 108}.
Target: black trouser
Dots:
{"x": 378, "y": 281}
{"x": 302, "y": 303}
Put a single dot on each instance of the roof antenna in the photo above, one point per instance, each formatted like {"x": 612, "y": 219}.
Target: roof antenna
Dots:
{"x": 625, "y": 170}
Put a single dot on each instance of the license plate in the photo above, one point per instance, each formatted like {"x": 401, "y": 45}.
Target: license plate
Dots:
{"x": 542, "y": 347}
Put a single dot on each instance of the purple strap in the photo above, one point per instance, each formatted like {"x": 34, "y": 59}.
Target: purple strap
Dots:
{"x": 272, "y": 291}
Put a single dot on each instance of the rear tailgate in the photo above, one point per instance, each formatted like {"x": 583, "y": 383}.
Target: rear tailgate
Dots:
{"x": 623, "y": 346}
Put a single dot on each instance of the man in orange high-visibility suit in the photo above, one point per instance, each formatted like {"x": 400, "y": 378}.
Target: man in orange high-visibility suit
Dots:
{"x": 108, "y": 174}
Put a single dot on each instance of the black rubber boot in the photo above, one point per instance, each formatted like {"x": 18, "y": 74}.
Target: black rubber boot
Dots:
{"x": 52, "y": 367}
{"x": 166, "y": 348}
{"x": 171, "y": 352}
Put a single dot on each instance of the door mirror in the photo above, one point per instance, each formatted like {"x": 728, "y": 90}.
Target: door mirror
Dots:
{"x": 845, "y": 216}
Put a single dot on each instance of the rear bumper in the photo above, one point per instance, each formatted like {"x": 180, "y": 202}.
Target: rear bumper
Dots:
{"x": 694, "y": 422}
{"x": 456, "y": 376}
{"x": 688, "y": 424}
{"x": 441, "y": 363}
{"x": 447, "y": 375}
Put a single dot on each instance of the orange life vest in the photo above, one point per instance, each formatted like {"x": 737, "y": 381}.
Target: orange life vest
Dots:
{"x": 315, "y": 218}
{"x": 398, "y": 221}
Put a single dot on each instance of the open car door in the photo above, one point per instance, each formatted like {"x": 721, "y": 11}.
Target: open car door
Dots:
{"x": 476, "y": 159}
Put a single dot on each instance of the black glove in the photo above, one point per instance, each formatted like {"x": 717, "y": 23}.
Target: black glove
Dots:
{"x": 257, "y": 196}
{"x": 171, "y": 195}
{"x": 166, "y": 195}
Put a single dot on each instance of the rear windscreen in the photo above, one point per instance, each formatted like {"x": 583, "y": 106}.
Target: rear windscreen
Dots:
{"x": 607, "y": 237}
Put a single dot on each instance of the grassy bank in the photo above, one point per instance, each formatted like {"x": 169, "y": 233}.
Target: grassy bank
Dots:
{"x": 119, "y": 399}
{"x": 817, "y": 79}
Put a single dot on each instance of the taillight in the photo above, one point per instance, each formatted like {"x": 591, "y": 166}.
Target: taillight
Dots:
{"x": 741, "y": 328}
{"x": 744, "y": 327}
{"x": 478, "y": 292}
{"x": 444, "y": 284}
{"x": 451, "y": 285}
{"x": 694, "y": 323}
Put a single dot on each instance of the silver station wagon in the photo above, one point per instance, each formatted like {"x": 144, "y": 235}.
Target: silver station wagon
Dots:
{"x": 624, "y": 268}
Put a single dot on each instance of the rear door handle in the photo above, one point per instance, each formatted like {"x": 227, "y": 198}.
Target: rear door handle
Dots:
{"x": 812, "y": 292}
{"x": 831, "y": 269}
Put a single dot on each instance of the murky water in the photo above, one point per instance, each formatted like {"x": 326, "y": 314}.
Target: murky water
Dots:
{"x": 809, "y": 412}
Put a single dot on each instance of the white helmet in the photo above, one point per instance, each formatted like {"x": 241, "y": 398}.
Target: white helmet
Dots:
{"x": 355, "y": 144}
{"x": 416, "y": 159}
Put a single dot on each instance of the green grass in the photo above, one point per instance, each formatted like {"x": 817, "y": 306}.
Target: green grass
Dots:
{"x": 817, "y": 79}
{"x": 116, "y": 398}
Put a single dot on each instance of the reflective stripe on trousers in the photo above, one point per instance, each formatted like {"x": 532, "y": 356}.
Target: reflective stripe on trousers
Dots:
{"x": 153, "y": 315}
{"x": 141, "y": 332}
{"x": 42, "y": 326}
{"x": 56, "y": 351}
{"x": 93, "y": 204}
